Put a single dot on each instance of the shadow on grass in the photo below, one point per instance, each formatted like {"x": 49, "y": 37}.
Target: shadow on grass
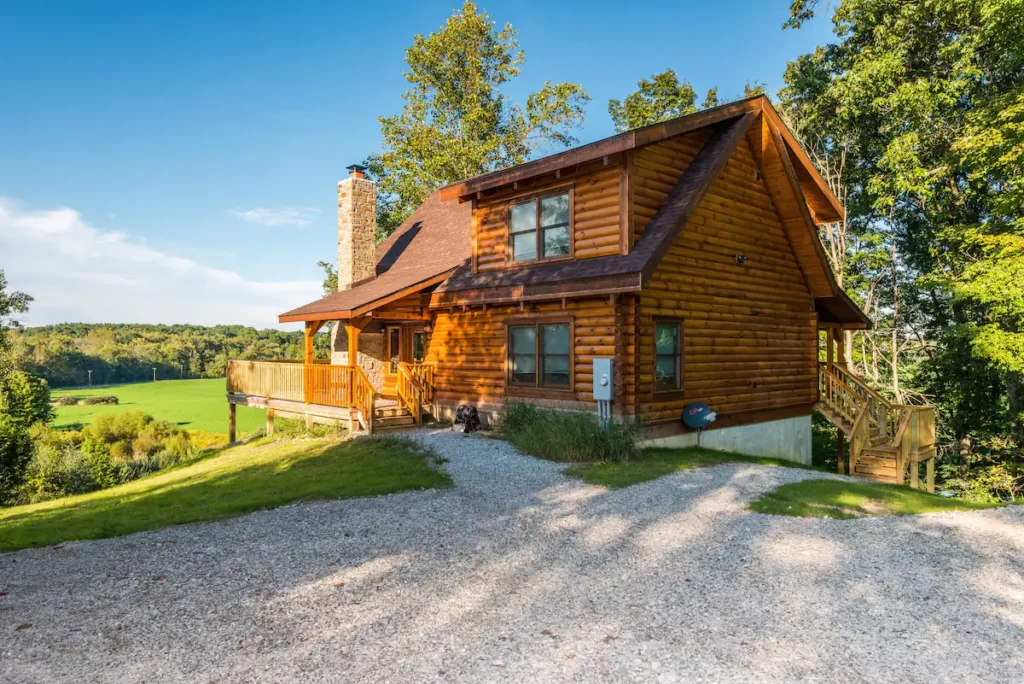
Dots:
{"x": 225, "y": 484}
{"x": 657, "y": 462}
{"x": 847, "y": 499}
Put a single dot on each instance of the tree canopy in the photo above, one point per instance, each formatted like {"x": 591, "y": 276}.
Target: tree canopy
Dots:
{"x": 919, "y": 109}
{"x": 663, "y": 96}
{"x": 457, "y": 122}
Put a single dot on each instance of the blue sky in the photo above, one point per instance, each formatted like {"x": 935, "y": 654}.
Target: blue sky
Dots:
{"x": 213, "y": 134}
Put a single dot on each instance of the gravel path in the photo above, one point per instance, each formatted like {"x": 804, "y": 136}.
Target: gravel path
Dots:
{"x": 521, "y": 574}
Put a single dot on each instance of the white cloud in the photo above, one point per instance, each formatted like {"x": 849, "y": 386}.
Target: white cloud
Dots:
{"x": 77, "y": 273}
{"x": 280, "y": 216}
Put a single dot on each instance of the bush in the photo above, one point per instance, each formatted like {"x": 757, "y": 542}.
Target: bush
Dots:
{"x": 16, "y": 451}
{"x": 57, "y": 470}
{"x": 568, "y": 436}
{"x": 294, "y": 427}
{"x": 103, "y": 400}
{"x": 25, "y": 398}
{"x": 119, "y": 427}
{"x": 68, "y": 400}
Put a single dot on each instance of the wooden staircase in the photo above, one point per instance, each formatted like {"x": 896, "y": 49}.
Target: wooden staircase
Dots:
{"x": 885, "y": 439}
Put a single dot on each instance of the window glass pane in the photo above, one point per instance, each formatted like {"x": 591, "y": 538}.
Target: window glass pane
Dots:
{"x": 555, "y": 379}
{"x": 524, "y": 340}
{"x": 524, "y": 217}
{"x": 556, "y": 241}
{"x": 666, "y": 338}
{"x": 665, "y": 372}
{"x": 524, "y": 246}
{"x": 556, "y": 363}
{"x": 418, "y": 346}
{"x": 554, "y": 210}
{"x": 555, "y": 338}
{"x": 524, "y": 368}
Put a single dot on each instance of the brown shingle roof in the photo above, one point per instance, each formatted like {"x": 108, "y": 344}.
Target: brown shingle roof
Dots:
{"x": 433, "y": 241}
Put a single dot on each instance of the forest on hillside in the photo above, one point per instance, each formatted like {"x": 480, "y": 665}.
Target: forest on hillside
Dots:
{"x": 117, "y": 353}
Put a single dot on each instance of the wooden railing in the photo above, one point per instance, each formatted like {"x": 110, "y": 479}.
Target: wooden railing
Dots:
{"x": 410, "y": 391}
{"x": 875, "y": 421}
{"x": 424, "y": 372}
{"x": 317, "y": 383}
{"x": 364, "y": 397}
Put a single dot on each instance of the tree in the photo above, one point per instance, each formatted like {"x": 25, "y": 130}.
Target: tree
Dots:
{"x": 330, "y": 283}
{"x": 659, "y": 98}
{"x": 15, "y": 453}
{"x": 10, "y": 304}
{"x": 25, "y": 398}
{"x": 926, "y": 100}
{"x": 456, "y": 122}
{"x": 663, "y": 96}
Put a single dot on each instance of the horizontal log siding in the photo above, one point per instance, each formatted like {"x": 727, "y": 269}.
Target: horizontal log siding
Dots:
{"x": 597, "y": 213}
{"x": 743, "y": 324}
{"x": 468, "y": 350}
{"x": 656, "y": 169}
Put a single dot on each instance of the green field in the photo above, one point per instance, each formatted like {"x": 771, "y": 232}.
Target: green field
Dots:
{"x": 192, "y": 404}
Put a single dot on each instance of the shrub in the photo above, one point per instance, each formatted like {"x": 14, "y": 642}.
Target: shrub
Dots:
{"x": 25, "y": 398}
{"x": 293, "y": 427}
{"x": 16, "y": 451}
{"x": 102, "y": 400}
{"x": 96, "y": 454}
{"x": 119, "y": 427}
{"x": 571, "y": 436}
{"x": 68, "y": 400}
{"x": 57, "y": 470}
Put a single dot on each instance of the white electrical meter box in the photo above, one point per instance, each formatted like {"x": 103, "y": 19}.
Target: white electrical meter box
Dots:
{"x": 604, "y": 379}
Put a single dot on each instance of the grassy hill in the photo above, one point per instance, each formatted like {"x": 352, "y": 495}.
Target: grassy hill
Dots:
{"x": 262, "y": 474}
{"x": 192, "y": 404}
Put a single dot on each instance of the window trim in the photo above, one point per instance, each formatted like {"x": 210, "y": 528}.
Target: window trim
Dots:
{"x": 538, "y": 230}
{"x": 680, "y": 383}
{"x": 538, "y": 384}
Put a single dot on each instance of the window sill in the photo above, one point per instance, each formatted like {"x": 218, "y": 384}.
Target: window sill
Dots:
{"x": 526, "y": 391}
{"x": 668, "y": 395}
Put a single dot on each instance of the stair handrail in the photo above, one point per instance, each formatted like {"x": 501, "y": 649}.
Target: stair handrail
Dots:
{"x": 424, "y": 373}
{"x": 410, "y": 391}
{"x": 364, "y": 397}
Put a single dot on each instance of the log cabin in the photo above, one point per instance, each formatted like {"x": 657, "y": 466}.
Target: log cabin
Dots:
{"x": 685, "y": 252}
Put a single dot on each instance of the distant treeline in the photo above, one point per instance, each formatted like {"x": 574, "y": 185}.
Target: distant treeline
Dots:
{"x": 118, "y": 353}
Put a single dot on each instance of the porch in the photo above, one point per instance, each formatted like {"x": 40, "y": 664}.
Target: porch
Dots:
{"x": 320, "y": 392}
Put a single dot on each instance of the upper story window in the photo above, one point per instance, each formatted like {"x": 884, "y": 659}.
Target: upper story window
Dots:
{"x": 539, "y": 228}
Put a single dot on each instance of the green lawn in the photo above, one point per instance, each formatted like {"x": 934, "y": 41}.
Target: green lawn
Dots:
{"x": 192, "y": 404}
{"x": 262, "y": 474}
{"x": 846, "y": 499}
{"x": 653, "y": 463}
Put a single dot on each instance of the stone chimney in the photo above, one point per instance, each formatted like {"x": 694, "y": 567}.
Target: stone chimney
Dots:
{"x": 357, "y": 228}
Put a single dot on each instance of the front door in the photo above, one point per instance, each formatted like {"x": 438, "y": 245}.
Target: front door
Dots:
{"x": 403, "y": 343}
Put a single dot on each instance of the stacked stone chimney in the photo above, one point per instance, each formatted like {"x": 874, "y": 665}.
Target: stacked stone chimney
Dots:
{"x": 357, "y": 228}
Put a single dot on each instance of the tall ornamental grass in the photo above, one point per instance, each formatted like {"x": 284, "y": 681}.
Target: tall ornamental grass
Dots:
{"x": 567, "y": 436}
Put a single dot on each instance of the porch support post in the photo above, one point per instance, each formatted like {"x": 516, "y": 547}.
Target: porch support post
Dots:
{"x": 353, "y": 327}
{"x": 841, "y": 452}
{"x": 231, "y": 423}
{"x": 840, "y": 336}
{"x": 311, "y": 329}
{"x": 828, "y": 347}
{"x": 929, "y": 470}
{"x": 308, "y": 378}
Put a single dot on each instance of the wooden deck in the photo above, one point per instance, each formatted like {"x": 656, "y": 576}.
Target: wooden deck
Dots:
{"x": 324, "y": 393}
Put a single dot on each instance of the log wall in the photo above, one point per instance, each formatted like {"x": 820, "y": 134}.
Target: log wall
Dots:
{"x": 749, "y": 334}
{"x": 468, "y": 350}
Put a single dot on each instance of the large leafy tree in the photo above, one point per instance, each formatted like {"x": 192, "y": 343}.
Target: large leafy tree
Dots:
{"x": 15, "y": 443}
{"x": 926, "y": 100}
{"x": 457, "y": 122}
{"x": 663, "y": 96}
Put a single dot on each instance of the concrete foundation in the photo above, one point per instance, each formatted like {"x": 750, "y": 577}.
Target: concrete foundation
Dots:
{"x": 788, "y": 439}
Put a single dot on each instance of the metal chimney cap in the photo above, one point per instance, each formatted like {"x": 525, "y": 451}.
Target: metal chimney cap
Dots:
{"x": 356, "y": 170}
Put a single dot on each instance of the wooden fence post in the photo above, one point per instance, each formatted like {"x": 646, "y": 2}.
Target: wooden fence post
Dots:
{"x": 270, "y": 422}
{"x": 231, "y": 423}
{"x": 840, "y": 452}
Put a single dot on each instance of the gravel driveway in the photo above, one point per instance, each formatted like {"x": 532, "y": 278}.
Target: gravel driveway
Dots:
{"x": 521, "y": 574}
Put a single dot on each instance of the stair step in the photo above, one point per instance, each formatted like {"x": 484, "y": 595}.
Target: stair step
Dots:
{"x": 865, "y": 469}
{"x": 877, "y": 462}
{"x": 886, "y": 479}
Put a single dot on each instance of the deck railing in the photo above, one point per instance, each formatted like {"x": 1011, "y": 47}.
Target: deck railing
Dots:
{"x": 329, "y": 385}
